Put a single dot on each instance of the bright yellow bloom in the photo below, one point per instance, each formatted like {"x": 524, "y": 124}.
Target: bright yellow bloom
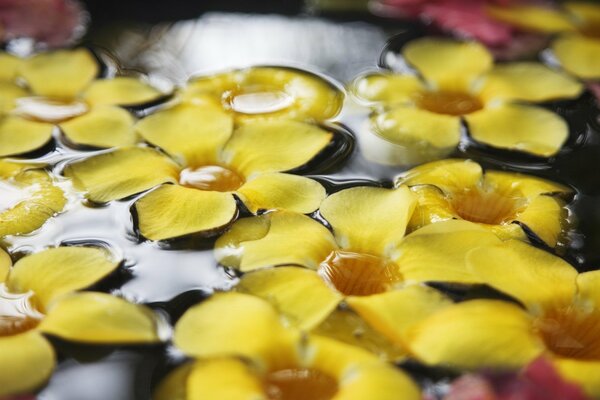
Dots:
{"x": 243, "y": 352}
{"x": 509, "y": 204}
{"x": 61, "y": 88}
{"x": 561, "y": 318}
{"x": 29, "y": 196}
{"x": 458, "y": 82}
{"x": 37, "y": 298}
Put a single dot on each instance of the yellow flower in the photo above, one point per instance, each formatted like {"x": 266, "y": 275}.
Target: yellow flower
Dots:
{"x": 561, "y": 318}
{"x": 37, "y": 298}
{"x": 243, "y": 352}
{"x": 577, "y": 48}
{"x": 216, "y": 163}
{"x": 457, "y": 81}
{"x": 509, "y": 204}
{"x": 29, "y": 197}
{"x": 61, "y": 88}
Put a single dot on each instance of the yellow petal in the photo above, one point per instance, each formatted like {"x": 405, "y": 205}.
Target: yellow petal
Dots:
{"x": 9, "y": 92}
{"x": 38, "y": 200}
{"x": 62, "y": 73}
{"x": 448, "y": 64}
{"x": 517, "y": 127}
{"x": 18, "y": 135}
{"x": 172, "y": 211}
{"x": 9, "y": 66}
{"x": 122, "y": 91}
{"x": 389, "y": 89}
{"x": 174, "y": 385}
{"x": 530, "y": 186}
{"x": 586, "y": 14}
{"x": 578, "y": 55}
{"x": 275, "y": 191}
{"x": 221, "y": 379}
{"x": 278, "y": 238}
{"x": 448, "y": 175}
{"x": 545, "y": 216}
{"x": 379, "y": 383}
{"x": 26, "y": 362}
{"x": 585, "y": 373}
{"x": 299, "y": 294}
{"x": 274, "y": 145}
{"x": 534, "y": 18}
{"x": 54, "y": 272}
{"x": 369, "y": 220}
{"x": 476, "y": 334}
{"x": 529, "y": 81}
{"x": 587, "y": 287}
{"x": 102, "y": 126}
{"x": 100, "y": 318}
{"x": 5, "y": 264}
{"x": 194, "y": 132}
{"x": 121, "y": 173}
{"x": 432, "y": 206}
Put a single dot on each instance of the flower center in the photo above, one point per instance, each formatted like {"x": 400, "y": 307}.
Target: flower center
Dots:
{"x": 259, "y": 101}
{"x": 300, "y": 384}
{"x": 356, "y": 274}
{"x": 487, "y": 206}
{"x": 17, "y": 315}
{"x": 211, "y": 177}
{"x": 47, "y": 109}
{"x": 451, "y": 103}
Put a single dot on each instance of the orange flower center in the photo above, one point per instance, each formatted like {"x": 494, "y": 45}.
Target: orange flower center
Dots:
{"x": 356, "y": 274}
{"x": 450, "y": 103}
{"x": 211, "y": 177}
{"x": 491, "y": 207}
{"x": 300, "y": 384}
{"x": 258, "y": 100}
{"x": 17, "y": 314}
{"x": 46, "y": 109}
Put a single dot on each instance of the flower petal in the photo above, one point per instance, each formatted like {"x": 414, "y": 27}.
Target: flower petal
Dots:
{"x": 5, "y": 264}
{"x": 174, "y": 385}
{"x": 18, "y": 135}
{"x": 276, "y": 191}
{"x": 545, "y": 216}
{"x": 389, "y": 89}
{"x": 56, "y": 271}
{"x": 102, "y": 126}
{"x": 103, "y": 177}
{"x": 299, "y": 294}
{"x": 194, "y": 132}
{"x": 172, "y": 211}
{"x": 529, "y": 81}
{"x": 26, "y": 362}
{"x": 530, "y": 186}
{"x": 476, "y": 334}
{"x": 587, "y": 286}
{"x": 437, "y": 252}
{"x": 578, "y": 55}
{"x": 587, "y": 14}
{"x": 220, "y": 379}
{"x": 448, "y": 64}
{"x": 448, "y": 175}
{"x": 585, "y": 373}
{"x": 369, "y": 220}
{"x": 274, "y": 145}
{"x": 379, "y": 383}
{"x": 336, "y": 359}
{"x": 394, "y": 313}
{"x": 100, "y": 318}
{"x": 517, "y": 127}
{"x": 9, "y": 65}
{"x": 62, "y": 73}
{"x": 9, "y": 92}
{"x": 432, "y": 206}
{"x": 278, "y": 238}
{"x": 121, "y": 90}
{"x": 533, "y": 18}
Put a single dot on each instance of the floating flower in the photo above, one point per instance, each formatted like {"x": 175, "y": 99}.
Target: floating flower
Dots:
{"x": 509, "y": 204}
{"x": 28, "y": 197}
{"x": 37, "y": 298}
{"x": 458, "y": 82}
{"x": 217, "y": 163}
{"x": 242, "y": 351}
{"x": 561, "y": 318}
{"x": 60, "y": 88}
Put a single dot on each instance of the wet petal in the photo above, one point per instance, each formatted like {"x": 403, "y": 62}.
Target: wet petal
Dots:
{"x": 534, "y": 18}
{"x": 578, "y": 55}
{"x": 369, "y": 220}
{"x": 5, "y": 264}
{"x": 26, "y": 362}
{"x": 432, "y": 206}
{"x": 448, "y": 64}
{"x": 275, "y": 191}
{"x": 336, "y": 359}
{"x": 587, "y": 287}
{"x": 194, "y": 132}
{"x": 587, "y": 14}
{"x": 9, "y": 65}
{"x": 220, "y": 379}
{"x": 279, "y": 238}
{"x": 529, "y": 81}
{"x": 18, "y": 135}
{"x": 516, "y": 127}
{"x": 172, "y": 211}
{"x": 476, "y": 334}
{"x": 390, "y": 89}
{"x": 393, "y": 313}
{"x": 546, "y": 216}
{"x": 274, "y": 145}
{"x": 9, "y": 92}
{"x": 54, "y": 272}
{"x": 121, "y": 90}
{"x": 103, "y": 177}
{"x": 585, "y": 373}
{"x": 301, "y": 295}
{"x": 379, "y": 383}
{"x": 103, "y": 126}
{"x": 62, "y": 73}
{"x": 448, "y": 175}
{"x": 530, "y": 186}
{"x": 99, "y": 318}
{"x": 174, "y": 385}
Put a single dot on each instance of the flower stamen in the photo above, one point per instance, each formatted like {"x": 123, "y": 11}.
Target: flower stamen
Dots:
{"x": 450, "y": 103}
